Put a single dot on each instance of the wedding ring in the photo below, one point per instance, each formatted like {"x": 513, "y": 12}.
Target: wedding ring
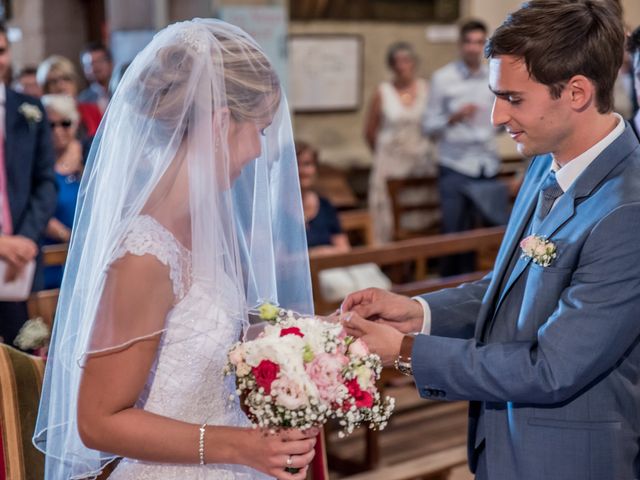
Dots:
{"x": 289, "y": 461}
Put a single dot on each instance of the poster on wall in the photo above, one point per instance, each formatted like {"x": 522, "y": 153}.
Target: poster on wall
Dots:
{"x": 325, "y": 72}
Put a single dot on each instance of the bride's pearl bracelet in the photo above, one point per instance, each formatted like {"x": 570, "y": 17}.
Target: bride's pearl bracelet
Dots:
{"x": 201, "y": 444}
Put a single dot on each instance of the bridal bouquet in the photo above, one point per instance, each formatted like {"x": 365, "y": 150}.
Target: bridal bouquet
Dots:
{"x": 302, "y": 371}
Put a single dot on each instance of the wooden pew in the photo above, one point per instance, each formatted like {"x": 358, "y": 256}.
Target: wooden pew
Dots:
{"x": 435, "y": 466}
{"x": 429, "y": 207}
{"x": 44, "y": 303}
{"x": 357, "y": 222}
{"x": 483, "y": 241}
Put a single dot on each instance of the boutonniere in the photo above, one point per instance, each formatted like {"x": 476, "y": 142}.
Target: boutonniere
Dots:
{"x": 538, "y": 249}
{"x": 32, "y": 113}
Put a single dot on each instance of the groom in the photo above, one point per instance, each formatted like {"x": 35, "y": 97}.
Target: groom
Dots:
{"x": 547, "y": 346}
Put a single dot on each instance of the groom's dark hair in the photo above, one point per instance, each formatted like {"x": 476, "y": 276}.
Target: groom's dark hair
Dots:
{"x": 558, "y": 39}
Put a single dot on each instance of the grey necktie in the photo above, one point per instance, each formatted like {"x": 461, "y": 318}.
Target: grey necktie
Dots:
{"x": 548, "y": 194}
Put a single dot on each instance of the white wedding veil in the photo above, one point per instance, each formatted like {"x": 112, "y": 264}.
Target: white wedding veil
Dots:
{"x": 198, "y": 138}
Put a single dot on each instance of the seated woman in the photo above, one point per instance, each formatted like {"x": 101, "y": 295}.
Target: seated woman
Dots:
{"x": 324, "y": 234}
{"x": 57, "y": 75}
{"x": 64, "y": 118}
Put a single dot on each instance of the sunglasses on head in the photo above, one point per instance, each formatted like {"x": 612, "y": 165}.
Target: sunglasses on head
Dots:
{"x": 62, "y": 123}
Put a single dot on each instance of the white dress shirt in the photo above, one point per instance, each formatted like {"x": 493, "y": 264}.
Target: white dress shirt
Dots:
{"x": 565, "y": 177}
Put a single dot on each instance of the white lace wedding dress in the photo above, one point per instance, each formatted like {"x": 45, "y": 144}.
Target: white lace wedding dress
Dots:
{"x": 187, "y": 382}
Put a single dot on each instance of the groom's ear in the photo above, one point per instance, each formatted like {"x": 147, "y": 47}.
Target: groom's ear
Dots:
{"x": 582, "y": 93}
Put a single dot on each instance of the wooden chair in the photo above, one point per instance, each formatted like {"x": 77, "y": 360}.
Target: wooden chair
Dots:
{"x": 54, "y": 255}
{"x": 44, "y": 303}
{"x": 20, "y": 386}
{"x": 429, "y": 207}
{"x": 357, "y": 223}
{"x": 332, "y": 183}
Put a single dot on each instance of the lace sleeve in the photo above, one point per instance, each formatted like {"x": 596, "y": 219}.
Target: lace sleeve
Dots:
{"x": 147, "y": 236}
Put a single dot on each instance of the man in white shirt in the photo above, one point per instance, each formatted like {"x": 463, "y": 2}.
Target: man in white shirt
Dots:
{"x": 547, "y": 347}
{"x": 458, "y": 118}
{"x": 98, "y": 68}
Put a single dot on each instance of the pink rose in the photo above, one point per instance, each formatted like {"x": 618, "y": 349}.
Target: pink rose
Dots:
{"x": 528, "y": 243}
{"x": 325, "y": 372}
{"x": 236, "y": 356}
{"x": 359, "y": 348}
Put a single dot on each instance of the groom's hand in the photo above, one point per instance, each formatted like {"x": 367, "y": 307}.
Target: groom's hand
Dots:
{"x": 381, "y": 339}
{"x": 400, "y": 312}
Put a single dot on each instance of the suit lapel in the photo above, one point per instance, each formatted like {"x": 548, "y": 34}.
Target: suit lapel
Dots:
{"x": 521, "y": 217}
{"x": 10, "y": 119}
{"x": 561, "y": 213}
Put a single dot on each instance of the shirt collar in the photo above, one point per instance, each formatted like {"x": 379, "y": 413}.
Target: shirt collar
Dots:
{"x": 636, "y": 121}
{"x": 3, "y": 94}
{"x": 571, "y": 171}
{"x": 466, "y": 73}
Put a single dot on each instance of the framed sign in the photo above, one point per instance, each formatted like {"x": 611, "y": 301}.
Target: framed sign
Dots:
{"x": 325, "y": 72}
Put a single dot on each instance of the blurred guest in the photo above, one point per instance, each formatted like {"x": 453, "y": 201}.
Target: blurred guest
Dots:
{"x": 98, "y": 66}
{"x": 117, "y": 75}
{"x": 324, "y": 232}
{"x": 57, "y": 75}
{"x": 325, "y": 235}
{"x": 27, "y": 83}
{"x": 27, "y": 187}
{"x": 633, "y": 47}
{"x": 394, "y": 134}
{"x": 63, "y": 118}
{"x": 623, "y": 89}
{"x": 458, "y": 118}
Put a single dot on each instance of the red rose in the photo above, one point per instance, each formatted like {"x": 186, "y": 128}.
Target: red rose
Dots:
{"x": 361, "y": 397}
{"x": 365, "y": 400}
{"x": 265, "y": 373}
{"x": 291, "y": 331}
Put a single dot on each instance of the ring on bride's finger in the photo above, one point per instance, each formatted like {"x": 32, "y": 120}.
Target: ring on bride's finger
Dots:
{"x": 289, "y": 461}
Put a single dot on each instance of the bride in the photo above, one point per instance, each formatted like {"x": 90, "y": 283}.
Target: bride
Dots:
{"x": 189, "y": 217}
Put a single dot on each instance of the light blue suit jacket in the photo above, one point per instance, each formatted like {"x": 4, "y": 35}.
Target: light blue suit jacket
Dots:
{"x": 551, "y": 364}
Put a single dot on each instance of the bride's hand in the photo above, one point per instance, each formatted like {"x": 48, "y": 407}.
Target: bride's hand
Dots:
{"x": 272, "y": 453}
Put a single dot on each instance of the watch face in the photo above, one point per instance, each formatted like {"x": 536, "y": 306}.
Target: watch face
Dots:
{"x": 404, "y": 368}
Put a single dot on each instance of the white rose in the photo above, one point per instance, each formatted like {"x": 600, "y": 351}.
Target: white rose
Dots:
{"x": 289, "y": 393}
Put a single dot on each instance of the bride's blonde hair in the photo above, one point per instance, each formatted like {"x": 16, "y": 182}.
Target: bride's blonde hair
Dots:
{"x": 251, "y": 85}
